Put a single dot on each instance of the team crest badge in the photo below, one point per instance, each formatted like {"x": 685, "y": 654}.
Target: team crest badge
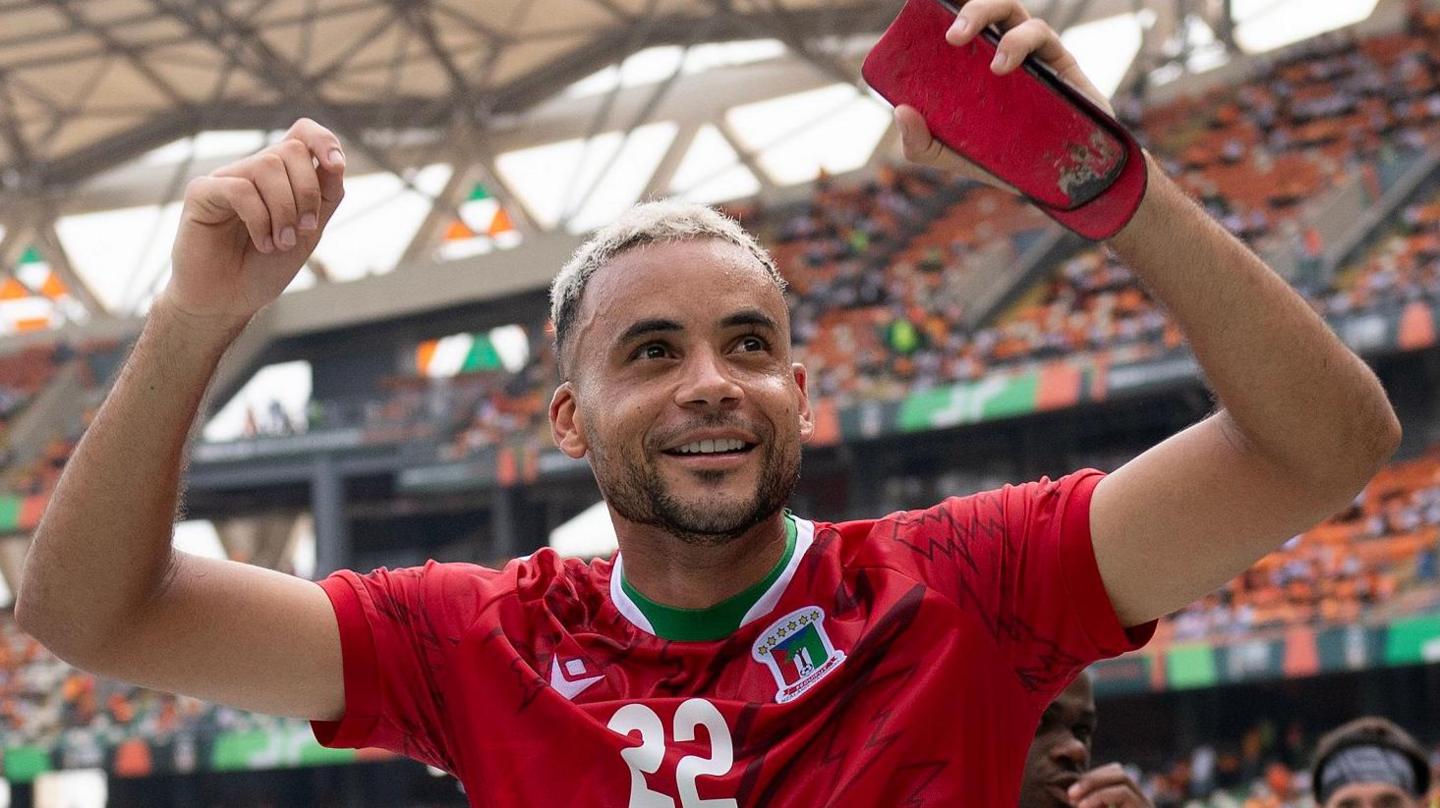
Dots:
{"x": 798, "y": 652}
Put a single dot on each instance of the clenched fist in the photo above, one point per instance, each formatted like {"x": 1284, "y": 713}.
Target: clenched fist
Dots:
{"x": 248, "y": 228}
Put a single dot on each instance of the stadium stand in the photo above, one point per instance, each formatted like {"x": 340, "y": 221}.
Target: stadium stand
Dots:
{"x": 876, "y": 270}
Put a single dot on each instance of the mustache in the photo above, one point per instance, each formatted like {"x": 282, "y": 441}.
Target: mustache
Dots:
{"x": 760, "y": 430}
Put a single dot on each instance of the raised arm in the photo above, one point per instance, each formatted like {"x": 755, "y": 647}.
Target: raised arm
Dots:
{"x": 1303, "y": 423}
{"x": 103, "y": 588}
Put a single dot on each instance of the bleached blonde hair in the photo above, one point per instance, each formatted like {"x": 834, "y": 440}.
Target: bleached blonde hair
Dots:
{"x": 647, "y": 223}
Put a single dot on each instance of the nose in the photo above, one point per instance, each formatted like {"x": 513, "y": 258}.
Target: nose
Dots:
{"x": 1071, "y": 753}
{"x": 707, "y": 382}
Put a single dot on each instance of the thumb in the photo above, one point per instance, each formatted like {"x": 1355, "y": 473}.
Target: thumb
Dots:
{"x": 922, "y": 147}
{"x": 915, "y": 138}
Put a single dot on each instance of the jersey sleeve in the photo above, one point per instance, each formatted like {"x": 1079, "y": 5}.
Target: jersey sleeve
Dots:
{"x": 1021, "y": 558}
{"x": 397, "y": 629}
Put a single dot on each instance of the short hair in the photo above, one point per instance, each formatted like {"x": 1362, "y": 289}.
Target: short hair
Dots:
{"x": 1370, "y": 730}
{"x": 641, "y": 225}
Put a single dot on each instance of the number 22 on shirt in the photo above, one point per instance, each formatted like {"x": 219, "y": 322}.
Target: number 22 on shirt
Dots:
{"x": 647, "y": 757}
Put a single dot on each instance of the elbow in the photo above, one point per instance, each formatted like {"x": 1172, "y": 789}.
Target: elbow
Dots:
{"x": 1379, "y": 438}
{"x": 66, "y": 645}
{"x": 58, "y": 631}
{"x": 32, "y": 618}
{"x": 26, "y": 618}
{"x": 1369, "y": 446}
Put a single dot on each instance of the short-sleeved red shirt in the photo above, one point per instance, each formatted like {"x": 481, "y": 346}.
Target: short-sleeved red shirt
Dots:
{"x": 896, "y": 661}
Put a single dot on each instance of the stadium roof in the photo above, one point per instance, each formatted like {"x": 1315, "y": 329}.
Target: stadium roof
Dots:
{"x": 470, "y": 125}
{"x": 86, "y": 85}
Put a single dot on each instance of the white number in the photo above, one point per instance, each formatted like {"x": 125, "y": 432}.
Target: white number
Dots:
{"x": 645, "y": 758}
{"x": 692, "y": 714}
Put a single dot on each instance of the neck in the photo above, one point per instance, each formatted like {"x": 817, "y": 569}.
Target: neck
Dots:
{"x": 690, "y": 576}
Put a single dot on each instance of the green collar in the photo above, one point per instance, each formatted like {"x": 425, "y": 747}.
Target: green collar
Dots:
{"x": 718, "y": 621}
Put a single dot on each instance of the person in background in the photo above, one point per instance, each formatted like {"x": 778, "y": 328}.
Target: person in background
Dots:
{"x": 1370, "y": 763}
{"x": 1057, "y": 769}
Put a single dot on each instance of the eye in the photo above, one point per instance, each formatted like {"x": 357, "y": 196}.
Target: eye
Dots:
{"x": 651, "y": 350}
{"x": 751, "y": 343}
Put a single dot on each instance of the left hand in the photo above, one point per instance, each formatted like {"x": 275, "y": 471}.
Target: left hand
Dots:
{"x": 1024, "y": 36}
{"x": 1107, "y": 787}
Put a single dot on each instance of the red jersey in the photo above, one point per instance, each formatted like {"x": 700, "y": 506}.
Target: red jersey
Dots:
{"x": 896, "y": 661}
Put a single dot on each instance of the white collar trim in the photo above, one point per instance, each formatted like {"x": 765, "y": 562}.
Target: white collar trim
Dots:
{"x": 804, "y": 537}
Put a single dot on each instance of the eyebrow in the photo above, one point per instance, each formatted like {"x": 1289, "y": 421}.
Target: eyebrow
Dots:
{"x": 650, "y": 326}
{"x": 753, "y": 317}
{"x": 655, "y": 325}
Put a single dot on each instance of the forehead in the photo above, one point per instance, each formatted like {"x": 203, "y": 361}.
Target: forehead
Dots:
{"x": 1369, "y": 793}
{"x": 696, "y": 283}
{"x": 1079, "y": 697}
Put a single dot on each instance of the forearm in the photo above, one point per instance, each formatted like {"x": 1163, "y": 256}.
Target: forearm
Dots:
{"x": 1289, "y": 387}
{"x": 103, "y": 547}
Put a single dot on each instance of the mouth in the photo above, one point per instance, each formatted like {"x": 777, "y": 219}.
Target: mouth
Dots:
{"x": 711, "y": 454}
{"x": 1060, "y": 788}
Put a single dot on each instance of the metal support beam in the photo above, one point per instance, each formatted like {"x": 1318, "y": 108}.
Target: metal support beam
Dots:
{"x": 333, "y": 549}
{"x": 504, "y": 535}
{"x": 747, "y": 158}
{"x": 779, "y": 24}
{"x": 660, "y": 181}
{"x": 48, "y": 242}
{"x": 641, "y": 117}
{"x": 119, "y": 49}
{"x": 231, "y": 34}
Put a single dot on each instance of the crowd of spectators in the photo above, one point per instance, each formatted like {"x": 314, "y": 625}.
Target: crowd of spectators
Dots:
{"x": 1400, "y": 267}
{"x": 1379, "y": 556}
{"x": 1256, "y": 156}
{"x": 878, "y": 269}
{"x": 48, "y": 704}
{"x": 1267, "y": 766}
{"x": 876, "y": 272}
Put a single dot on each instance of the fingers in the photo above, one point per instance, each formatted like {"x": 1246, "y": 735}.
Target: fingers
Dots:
{"x": 1107, "y": 787}
{"x": 915, "y": 138}
{"x": 216, "y": 199}
{"x": 1114, "y": 797}
{"x": 323, "y": 144}
{"x": 273, "y": 181}
{"x": 304, "y": 183}
{"x": 975, "y": 15}
{"x": 297, "y": 183}
{"x": 1034, "y": 36}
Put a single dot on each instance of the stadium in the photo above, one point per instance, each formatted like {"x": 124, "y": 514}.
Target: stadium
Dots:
{"x": 393, "y": 406}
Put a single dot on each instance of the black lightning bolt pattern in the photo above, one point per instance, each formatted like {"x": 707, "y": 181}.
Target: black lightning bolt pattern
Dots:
{"x": 957, "y": 529}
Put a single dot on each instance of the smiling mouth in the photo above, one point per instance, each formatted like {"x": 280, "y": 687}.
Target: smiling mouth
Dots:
{"x": 712, "y": 448}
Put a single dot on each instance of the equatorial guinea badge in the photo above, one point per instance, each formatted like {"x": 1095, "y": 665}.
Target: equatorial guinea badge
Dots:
{"x": 798, "y": 652}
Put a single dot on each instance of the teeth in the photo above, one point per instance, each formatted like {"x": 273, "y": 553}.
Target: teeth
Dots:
{"x": 712, "y": 446}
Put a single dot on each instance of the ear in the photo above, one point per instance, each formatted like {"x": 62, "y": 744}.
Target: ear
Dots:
{"x": 566, "y": 425}
{"x": 807, "y": 418}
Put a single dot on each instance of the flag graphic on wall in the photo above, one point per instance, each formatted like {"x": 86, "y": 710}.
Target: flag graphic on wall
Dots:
{"x": 482, "y": 226}
{"x": 34, "y": 298}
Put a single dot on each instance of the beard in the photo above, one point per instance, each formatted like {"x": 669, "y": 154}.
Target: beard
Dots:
{"x": 634, "y": 487}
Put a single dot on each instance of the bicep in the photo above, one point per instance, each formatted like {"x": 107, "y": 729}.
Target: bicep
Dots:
{"x": 238, "y": 635}
{"x": 1188, "y": 515}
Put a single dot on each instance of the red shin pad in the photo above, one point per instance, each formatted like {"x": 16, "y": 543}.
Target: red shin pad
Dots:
{"x": 1029, "y": 128}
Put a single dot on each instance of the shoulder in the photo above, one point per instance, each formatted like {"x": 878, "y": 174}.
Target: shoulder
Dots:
{"x": 461, "y": 592}
{"x": 984, "y": 517}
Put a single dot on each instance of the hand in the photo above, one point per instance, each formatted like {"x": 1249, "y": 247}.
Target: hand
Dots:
{"x": 1107, "y": 787}
{"x": 248, "y": 228}
{"x": 1024, "y": 36}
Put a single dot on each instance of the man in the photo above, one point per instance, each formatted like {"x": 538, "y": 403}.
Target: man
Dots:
{"x": 1057, "y": 769}
{"x": 733, "y": 653}
{"x": 1370, "y": 763}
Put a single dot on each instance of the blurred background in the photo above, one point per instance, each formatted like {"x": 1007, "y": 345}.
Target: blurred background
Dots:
{"x": 390, "y": 407}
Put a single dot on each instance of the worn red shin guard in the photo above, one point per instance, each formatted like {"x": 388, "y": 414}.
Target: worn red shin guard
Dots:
{"x": 1029, "y": 128}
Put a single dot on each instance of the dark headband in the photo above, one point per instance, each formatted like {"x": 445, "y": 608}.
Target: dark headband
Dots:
{"x": 1366, "y": 764}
